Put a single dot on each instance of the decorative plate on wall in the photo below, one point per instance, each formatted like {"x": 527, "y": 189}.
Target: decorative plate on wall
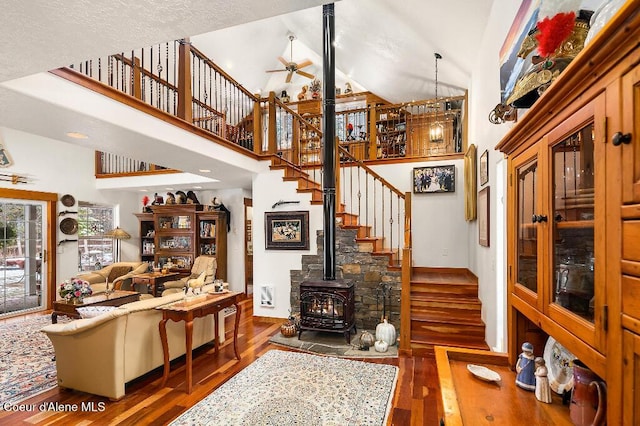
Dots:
{"x": 69, "y": 226}
{"x": 68, "y": 200}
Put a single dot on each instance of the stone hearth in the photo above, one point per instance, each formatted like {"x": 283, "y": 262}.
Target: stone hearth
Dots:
{"x": 369, "y": 273}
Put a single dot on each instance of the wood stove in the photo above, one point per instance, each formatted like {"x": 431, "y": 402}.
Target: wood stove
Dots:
{"x": 327, "y": 306}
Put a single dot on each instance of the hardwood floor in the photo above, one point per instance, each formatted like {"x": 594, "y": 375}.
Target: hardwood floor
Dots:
{"x": 416, "y": 400}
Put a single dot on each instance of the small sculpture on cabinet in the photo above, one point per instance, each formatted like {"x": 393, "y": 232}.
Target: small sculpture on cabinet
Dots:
{"x": 192, "y": 198}
{"x": 181, "y": 197}
{"x": 303, "y": 93}
{"x": 347, "y": 88}
{"x": 171, "y": 199}
{"x": 525, "y": 368}
{"x": 157, "y": 200}
{"x": 543, "y": 390}
{"x": 284, "y": 97}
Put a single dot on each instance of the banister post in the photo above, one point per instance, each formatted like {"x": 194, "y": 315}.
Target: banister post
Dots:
{"x": 272, "y": 124}
{"x": 373, "y": 133}
{"x": 257, "y": 126}
{"x": 407, "y": 220}
{"x": 185, "y": 110}
{"x": 136, "y": 88}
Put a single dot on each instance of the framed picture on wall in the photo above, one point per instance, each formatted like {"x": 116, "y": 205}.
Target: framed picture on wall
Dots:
{"x": 484, "y": 167}
{"x": 434, "y": 179}
{"x": 483, "y": 217}
{"x": 287, "y": 230}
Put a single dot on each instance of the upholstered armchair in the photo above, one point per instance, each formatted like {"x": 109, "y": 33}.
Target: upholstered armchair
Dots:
{"x": 202, "y": 264}
{"x": 117, "y": 276}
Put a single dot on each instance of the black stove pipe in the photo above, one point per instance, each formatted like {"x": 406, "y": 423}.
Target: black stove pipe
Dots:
{"x": 329, "y": 143}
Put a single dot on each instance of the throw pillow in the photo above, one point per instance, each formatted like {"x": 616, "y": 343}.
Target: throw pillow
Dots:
{"x": 94, "y": 311}
{"x": 198, "y": 282}
{"x": 118, "y": 271}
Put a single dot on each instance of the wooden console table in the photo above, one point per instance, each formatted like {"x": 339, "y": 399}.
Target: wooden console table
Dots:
{"x": 467, "y": 400}
{"x": 187, "y": 310}
{"x": 154, "y": 281}
{"x": 115, "y": 298}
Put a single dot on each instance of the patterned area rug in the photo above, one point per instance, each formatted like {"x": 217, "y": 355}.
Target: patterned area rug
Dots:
{"x": 27, "y": 367}
{"x": 289, "y": 388}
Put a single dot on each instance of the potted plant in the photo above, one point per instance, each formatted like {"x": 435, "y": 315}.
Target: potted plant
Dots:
{"x": 315, "y": 88}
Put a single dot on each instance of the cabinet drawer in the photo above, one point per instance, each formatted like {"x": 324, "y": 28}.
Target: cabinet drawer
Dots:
{"x": 631, "y": 240}
{"x": 142, "y": 280}
{"x": 631, "y": 296}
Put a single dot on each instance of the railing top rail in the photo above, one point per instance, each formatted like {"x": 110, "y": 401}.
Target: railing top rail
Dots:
{"x": 298, "y": 116}
{"x": 353, "y": 159}
{"x": 425, "y": 101}
{"x": 147, "y": 73}
{"x": 203, "y": 57}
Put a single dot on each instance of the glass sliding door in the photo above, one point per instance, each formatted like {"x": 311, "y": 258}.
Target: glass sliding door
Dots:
{"x": 22, "y": 248}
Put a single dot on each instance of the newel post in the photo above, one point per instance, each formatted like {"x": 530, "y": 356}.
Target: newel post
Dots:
{"x": 272, "y": 124}
{"x": 257, "y": 125}
{"x": 185, "y": 110}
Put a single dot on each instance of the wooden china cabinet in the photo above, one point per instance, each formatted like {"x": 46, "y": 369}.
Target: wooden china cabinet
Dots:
{"x": 573, "y": 231}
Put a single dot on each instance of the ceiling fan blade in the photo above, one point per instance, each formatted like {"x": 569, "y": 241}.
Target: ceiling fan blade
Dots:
{"x": 306, "y": 74}
{"x": 275, "y": 70}
{"x": 304, "y": 63}
{"x": 284, "y": 61}
{"x": 288, "y": 80}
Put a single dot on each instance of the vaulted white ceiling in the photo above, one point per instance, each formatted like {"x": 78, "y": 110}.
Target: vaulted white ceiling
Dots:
{"x": 384, "y": 46}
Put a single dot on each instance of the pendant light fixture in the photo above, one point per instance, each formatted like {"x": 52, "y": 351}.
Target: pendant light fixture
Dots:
{"x": 436, "y": 130}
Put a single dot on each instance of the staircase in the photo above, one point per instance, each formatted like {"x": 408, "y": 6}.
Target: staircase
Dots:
{"x": 445, "y": 310}
{"x": 444, "y": 307}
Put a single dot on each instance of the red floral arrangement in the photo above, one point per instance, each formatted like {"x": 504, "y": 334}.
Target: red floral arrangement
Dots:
{"x": 145, "y": 200}
{"x": 553, "y": 31}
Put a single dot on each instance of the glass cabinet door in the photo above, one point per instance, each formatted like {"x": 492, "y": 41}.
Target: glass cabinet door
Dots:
{"x": 573, "y": 180}
{"x": 527, "y": 186}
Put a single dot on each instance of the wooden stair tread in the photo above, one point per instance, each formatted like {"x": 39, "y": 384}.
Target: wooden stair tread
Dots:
{"x": 442, "y": 277}
{"x": 437, "y": 317}
{"x": 452, "y": 298}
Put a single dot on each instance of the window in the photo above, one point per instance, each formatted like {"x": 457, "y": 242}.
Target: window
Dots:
{"x": 94, "y": 249}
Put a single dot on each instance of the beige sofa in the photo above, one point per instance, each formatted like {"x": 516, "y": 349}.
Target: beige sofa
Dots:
{"x": 100, "y": 355}
{"x": 120, "y": 274}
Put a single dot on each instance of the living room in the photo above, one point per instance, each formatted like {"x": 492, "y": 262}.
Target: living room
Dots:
{"x": 439, "y": 240}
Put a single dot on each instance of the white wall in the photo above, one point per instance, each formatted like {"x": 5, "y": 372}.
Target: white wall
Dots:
{"x": 272, "y": 267}
{"x": 62, "y": 168}
{"x": 484, "y": 95}
{"x": 439, "y": 230}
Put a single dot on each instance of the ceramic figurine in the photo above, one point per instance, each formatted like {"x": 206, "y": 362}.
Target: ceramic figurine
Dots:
{"x": 303, "y": 94}
{"x": 192, "y": 198}
{"x": 347, "y": 88}
{"x": 543, "y": 390}
{"x": 525, "y": 368}
{"x": 181, "y": 197}
{"x": 171, "y": 199}
{"x": 284, "y": 97}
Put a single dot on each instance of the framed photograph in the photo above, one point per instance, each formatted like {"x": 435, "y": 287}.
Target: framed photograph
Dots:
{"x": 483, "y": 217}
{"x": 434, "y": 179}
{"x": 287, "y": 230}
{"x": 484, "y": 167}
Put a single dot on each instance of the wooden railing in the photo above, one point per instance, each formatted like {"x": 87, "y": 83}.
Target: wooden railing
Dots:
{"x": 113, "y": 165}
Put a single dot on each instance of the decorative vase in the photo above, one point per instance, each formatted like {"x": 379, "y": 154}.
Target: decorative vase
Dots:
{"x": 366, "y": 339}
{"x": 288, "y": 329}
{"x": 588, "y": 397}
{"x": 386, "y": 332}
{"x": 77, "y": 300}
{"x": 381, "y": 346}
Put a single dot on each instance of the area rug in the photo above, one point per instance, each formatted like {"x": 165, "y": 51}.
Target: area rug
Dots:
{"x": 333, "y": 344}
{"x": 290, "y": 388}
{"x": 27, "y": 367}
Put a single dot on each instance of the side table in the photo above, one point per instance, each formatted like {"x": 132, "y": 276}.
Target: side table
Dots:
{"x": 115, "y": 298}
{"x": 189, "y": 309}
{"x": 154, "y": 281}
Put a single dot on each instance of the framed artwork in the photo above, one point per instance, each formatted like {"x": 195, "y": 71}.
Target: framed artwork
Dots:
{"x": 287, "y": 230}
{"x": 470, "y": 184}
{"x": 434, "y": 179}
{"x": 484, "y": 167}
{"x": 483, "y": 217}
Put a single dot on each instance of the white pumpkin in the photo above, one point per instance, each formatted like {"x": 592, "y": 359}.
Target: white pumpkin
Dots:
{"x": 381, "y": 346}
{"x": 386, "y": 332}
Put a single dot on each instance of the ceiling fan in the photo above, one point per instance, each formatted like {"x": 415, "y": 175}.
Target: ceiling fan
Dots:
{"x": 293, "y": 67}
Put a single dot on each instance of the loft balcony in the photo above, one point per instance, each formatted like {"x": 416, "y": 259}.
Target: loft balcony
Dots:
{"x": 176, "y": 80}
